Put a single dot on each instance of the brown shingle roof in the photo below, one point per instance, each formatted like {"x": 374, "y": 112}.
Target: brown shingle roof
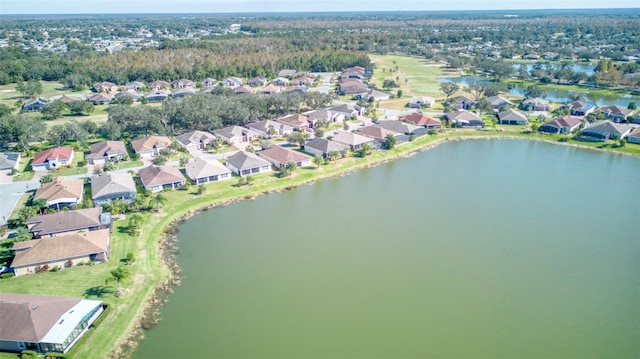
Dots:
{"x": 100, "y": 149}
{"x": 28, "y": 318}
{"x": 376, "y": 132}
{"x": 282, "y": 155}
{"x": 160, "y": 175}
{"x": 63, "y": 247}
{"x": 65, "y": 221}
{"x": 60, "y": 188}
{"x": 149, "y": 143}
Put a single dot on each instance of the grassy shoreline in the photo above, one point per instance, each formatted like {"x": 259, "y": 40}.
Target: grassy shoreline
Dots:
{"x": 154, "y": 271}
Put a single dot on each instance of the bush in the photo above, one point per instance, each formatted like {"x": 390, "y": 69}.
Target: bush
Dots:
{"x": 55, "y": 269}
{"x": 29, "y": 354}
{"x": 7, "y": 275}
{"x": 54, "y": 355}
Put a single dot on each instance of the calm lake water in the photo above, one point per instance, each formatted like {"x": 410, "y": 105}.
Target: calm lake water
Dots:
{"x": 475, "y": 249}
{"x": 553, "y": 95}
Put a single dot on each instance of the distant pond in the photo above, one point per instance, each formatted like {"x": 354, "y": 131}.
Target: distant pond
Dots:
{"x": 553, "y": 95}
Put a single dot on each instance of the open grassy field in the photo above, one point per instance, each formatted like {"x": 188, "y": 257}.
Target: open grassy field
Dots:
{"x": 414, "y": 75}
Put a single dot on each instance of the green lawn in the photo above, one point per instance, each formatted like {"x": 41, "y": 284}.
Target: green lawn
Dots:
{"x": 414, "y": 75}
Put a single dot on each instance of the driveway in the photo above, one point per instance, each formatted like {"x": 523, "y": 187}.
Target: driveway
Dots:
{"x": 325, "y": 86}
{"x": 10, "y": 194}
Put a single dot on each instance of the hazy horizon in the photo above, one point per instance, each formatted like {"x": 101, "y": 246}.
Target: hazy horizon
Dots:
{"x": 71, "y": 7}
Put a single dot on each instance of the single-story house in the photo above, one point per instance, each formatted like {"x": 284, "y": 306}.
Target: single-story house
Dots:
{"x": 347, "y": 110}
{"x": 498, "y": 101}
{"x": 423, "y": 121}
{"x": 634, "y": 137}
{"x": 400, "y": 127}
{"x": 297, "y": 121}
{"x": 354, "y": 88}
{"x": 280, "y": 157}
{"x": 421, "y": 101}
{"x": 353, "y": 72}
{"x": 604, "y": 130}
{"x": 562, "y": 125}
{"x": 245, "y": 163}
{"x": 157, "y": 96}
{"x": 321, "y": 146}
{"x": 61, "y": 192}
{"x": 351, "y": 139}
{"x": 209, "y": 83}
{"x": 127, "y": 94}
{"x": 464, "y": 118}
{"x": 303, "y": 81}
{"x": 268, "y": 128}
{"x": 270, "y": 89}
{"x": 150, "y": 146}
{"x": 236, "y": 134}
{"x": 257, "y": 81}
{"x": 323, "y": 115}
{"x": 8, "y": 162}
{"x": 134, "y": 86}
{"x": 104, "y": 151}
{"x": 376, "y": 132}
{"x": 158, "y": 178}
{"x": 105, "y": 86}
{"x": 55, "y": 224}
{"x": 297, "y": 89}
{"x": 44, "y": 323}
{"x": 159, "y": 85}
{"x": 34, "y": 104}
{"x": 67, "y": 99}
{"x": 615, "y": 113}
{"x": 280, "y": 81}
{"x": 287, "y": 72}
{"x": 232, "y": 81}
{"x": 181, "y": 83}
{"x": 244, "y": 89}
{"x": 183, "y": 92}
{"x": 376, "y": 95}
{"x": 100, "y": 99}
{"x": 201, "y": 171}
{"x": 110, "y": 186}
{"x": 579, "y": 108}
{"x": 535, "y": 104}
{"x": 462, "y": 103}
{"x": 52, "y": 158}
{"x": 197, "y": 140}
{"x": 512, "y": 117}
{"x": 62, "y": 251}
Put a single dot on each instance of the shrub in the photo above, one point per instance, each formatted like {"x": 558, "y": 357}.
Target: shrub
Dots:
{"x": 55, "y": 269}
{"x": 54, "y": 355}
{"x": 7, "y": 275}
{"x": 29, "y": 354}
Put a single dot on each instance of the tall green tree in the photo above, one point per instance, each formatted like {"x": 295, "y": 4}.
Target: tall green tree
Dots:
{"x": 449, "y": 88}
{"x": 119, "y": 275}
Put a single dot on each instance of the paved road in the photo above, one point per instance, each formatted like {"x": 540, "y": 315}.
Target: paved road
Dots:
{"x": 10, "y": 194}
{"x": 325, "y": 86}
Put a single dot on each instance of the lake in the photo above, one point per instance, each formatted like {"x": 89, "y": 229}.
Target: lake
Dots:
{"x": 552, "y": 95}
{"x": 483, "y": 248}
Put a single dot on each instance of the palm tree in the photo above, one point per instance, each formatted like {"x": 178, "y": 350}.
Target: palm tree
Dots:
{"x": 40, "y": 203}
{"x": 135, "y": 220}
{"x": 366, "y": 150}
{"x": 119, "y": 275}
{"x": 158, "y": 201}
{"x": 318, "y": 160}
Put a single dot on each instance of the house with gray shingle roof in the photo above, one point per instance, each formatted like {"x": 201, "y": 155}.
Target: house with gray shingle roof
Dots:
{"x": 202, "y": 171}
{"x": 351, "y": 139}
{"x": 400, "y": 127}
{"x": 197, "y": 140}
{"x": 634, "y": 137}
{"x": 464, "y": 118}
{"x": 615, "y": 113}
{"x": 512, "y": 117}
{"x": 245, "y": 163}
{"x": 236, "y": 134}
{"x": 498, "y": 101}
{"x": 562, "y": 125}
{"x": 63, "y": 251}
{"x": 604, "y": 130}
{"x": 535, "y": 104}
{"x": 321, "y": 146}
{"x": 267, "y": 128}
{"x": 109, "y": 186}
{"x": 44, "y": 323}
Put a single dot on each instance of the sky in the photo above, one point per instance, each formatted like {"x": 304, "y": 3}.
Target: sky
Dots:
{"x": 216, "y": 6}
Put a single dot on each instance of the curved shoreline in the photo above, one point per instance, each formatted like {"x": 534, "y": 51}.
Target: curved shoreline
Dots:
{"x": 148, "y": 314}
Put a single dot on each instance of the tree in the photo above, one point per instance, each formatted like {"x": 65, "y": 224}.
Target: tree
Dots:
{"x": 201, "y": 190}
{"x": 109, "y": 166}
{"x": 479, "y": 89}
{"x": 577, "y": 96}
{"x": 365, "y": 150}
{"x": 534, "y": 91}
{"x": 30, "y": 88}
{"x": 399, "y": 95}
{"x": 158, "y": 201}
{"x": 39, "y": 204}
{"x": 130, "y": 259}
{"x": 334, "y": 155}
{"x": 52, "y": 110}
{"x": 449, "y": 88}
{"x": 390, "y": 141}
{"x": 389, "y": 83}
{"x": 632, "y": 106}
{"x": 160, "y": 160}
{"x": 318, "y": 160}
{"x": 298, "y": 137}
{"x": 5, "y": 110}
{"x": 184, "y": 159}
{"x": 46, "y": 179}
{"x": 78, "y": 108}
{"x": 119, "y": 275}
{"x": 22, "y": 234}
{"x": 484, "y": 106}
